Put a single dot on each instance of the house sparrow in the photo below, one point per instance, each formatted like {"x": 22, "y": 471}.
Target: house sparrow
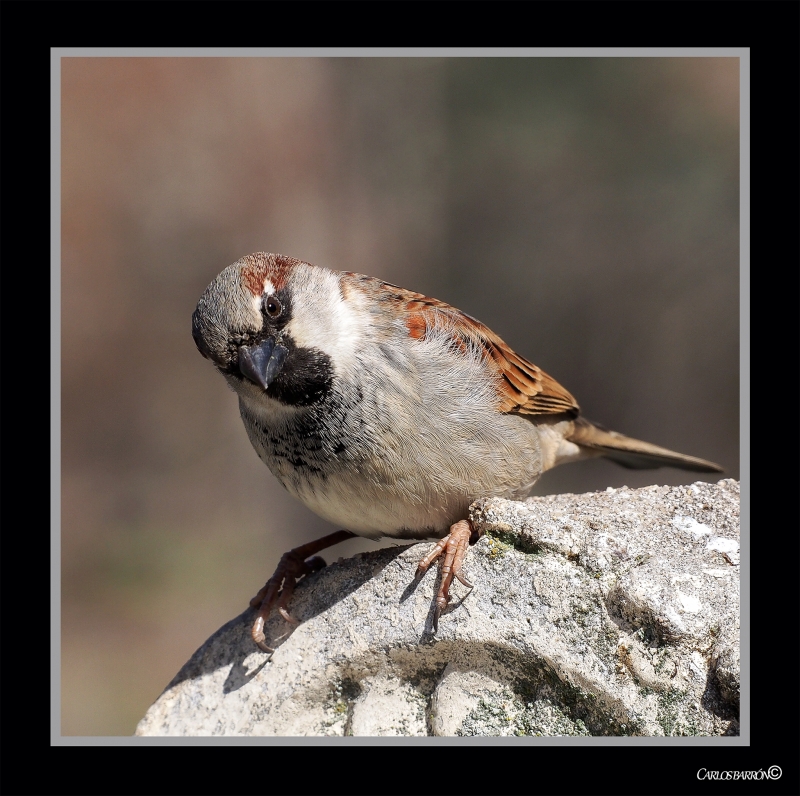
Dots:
{"x": 387, "y": 412}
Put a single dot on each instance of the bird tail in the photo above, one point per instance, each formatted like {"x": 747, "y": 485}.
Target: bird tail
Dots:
{"x": 633, "y": 453}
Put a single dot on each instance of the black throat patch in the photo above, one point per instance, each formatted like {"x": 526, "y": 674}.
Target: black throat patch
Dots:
{"x": 305, "y": 378}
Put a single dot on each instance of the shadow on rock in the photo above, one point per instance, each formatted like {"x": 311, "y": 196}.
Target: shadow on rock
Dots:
{"x": 313, "y": 596}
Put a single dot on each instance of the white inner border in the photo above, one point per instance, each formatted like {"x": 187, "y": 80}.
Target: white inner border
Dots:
{"x": 57, "y": 53}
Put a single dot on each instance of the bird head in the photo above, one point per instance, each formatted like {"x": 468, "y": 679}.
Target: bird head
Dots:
{"x": 275, "y": 327}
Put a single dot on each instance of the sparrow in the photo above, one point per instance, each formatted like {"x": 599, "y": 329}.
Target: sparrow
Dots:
{"x": 387, "y": 412}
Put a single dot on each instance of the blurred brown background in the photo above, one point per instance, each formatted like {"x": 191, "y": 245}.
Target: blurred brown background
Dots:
{"x": 585, "y": 209}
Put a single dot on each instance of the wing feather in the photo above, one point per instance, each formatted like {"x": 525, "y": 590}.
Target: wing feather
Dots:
{"x": 522, "y": 387}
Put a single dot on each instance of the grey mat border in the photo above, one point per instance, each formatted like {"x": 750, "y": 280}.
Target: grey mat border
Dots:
{"x": 57, "y": 53}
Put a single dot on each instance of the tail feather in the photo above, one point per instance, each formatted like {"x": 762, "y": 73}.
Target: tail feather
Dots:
{"x": 633, "y": 453}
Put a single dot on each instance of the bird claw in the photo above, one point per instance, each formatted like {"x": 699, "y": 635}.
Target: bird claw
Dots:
{"x": 294, "y": 565}
{"x": 462, "y": 579}
{"x": 258, "y": 636}
{"x": 453, "y": 548}
{"x": 288, "y": 617}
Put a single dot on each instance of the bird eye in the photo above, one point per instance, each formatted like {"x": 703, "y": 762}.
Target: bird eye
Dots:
{"x": 273, "y": 306}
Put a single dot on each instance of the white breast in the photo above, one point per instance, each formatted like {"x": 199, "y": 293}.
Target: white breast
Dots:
{"x": 421, "y": 435}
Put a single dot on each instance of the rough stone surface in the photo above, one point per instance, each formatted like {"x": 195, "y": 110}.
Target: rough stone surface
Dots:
{"x": 611, "y": 613}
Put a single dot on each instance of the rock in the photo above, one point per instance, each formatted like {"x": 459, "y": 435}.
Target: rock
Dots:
{"x": 611, "y": 613}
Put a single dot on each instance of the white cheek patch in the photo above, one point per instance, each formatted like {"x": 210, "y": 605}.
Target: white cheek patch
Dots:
{"x": 323, "y": 320}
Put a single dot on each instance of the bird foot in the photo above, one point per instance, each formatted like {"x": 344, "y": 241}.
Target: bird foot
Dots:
{"x": 452, "y": 550}
{"x": 294, "y": 565}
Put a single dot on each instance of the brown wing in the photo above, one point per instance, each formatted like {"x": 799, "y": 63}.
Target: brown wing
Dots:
{"x": 523, "y": 388}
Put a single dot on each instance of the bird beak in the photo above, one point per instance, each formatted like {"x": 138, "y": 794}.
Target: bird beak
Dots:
{"x": 261, "y": 363}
